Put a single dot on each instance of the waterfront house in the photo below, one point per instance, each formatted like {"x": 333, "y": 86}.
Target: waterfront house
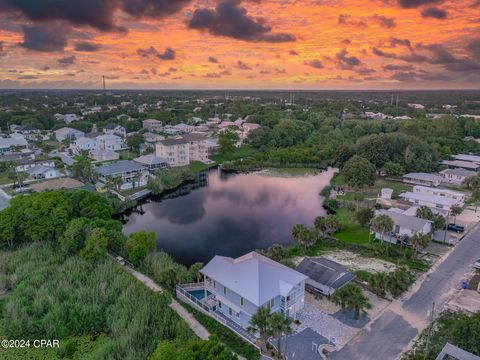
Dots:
{"x": 455, "y": 195}
{"x": 404, "y": 227}
{"x": 234, "y": 289}
{"x": 422, "y": 179}
{"x": 152, "y": 161}
{"x": 132, "y": 173}
{"x": 197, "y": 147}
{"x": 324, "y": 276}
{"x": 176, "y": 151}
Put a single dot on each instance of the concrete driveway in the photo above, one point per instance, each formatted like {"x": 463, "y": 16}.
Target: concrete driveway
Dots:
{"x": 390, "y": 334}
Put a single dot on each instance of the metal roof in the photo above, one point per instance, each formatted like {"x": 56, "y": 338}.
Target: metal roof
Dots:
{"x": 170, "y": 142}
{"x": 324, "y": 274}
{"x": 456, "y": 353}
{"x": 409, "y": 222}
{"x": 442, "y": 200}
{"x": 460, "y": 172}
{"x": 120, "y": 167}
{"x": 423, "y": 176}
{"x": 253, "y": 276}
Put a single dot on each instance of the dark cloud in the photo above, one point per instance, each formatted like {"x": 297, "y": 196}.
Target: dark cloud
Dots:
{"x": 293, "y": 53}
{"x": 317, "y": 64}
{"x": 44, "y": 37}
{"x": 153, "y": 71}
{"x": 231, "y": 20}
{"x": 392, "y": 67}
{"x": 212, "y": 59}
{"x": 474, "y": 48}
{"x": 67, "y": 60}
{"x": 2, "y": 48}
{"x": 346, "y": 42}
{"x": 279, "y": 71}
{"x": 346, "y": 19}
{"x": 168, "y": 54}
{"x": 384, "y": 21}
{"x": 394, "y": 42}
{"x": 434, "y": 12}
{"x": 242, "y": 66}
{"x": 404, "y": 76}
{"x": 416, "y": 3}
{"x": 99, "y": 14}
{"x": 347, "y": 61}
{"x": 87, "y": 46}
{"x": 27, "y": 77}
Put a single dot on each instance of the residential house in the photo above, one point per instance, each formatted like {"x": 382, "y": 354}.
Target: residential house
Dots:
{"x": 459, "y": 164}
{"x": 324, "y": 276}
{"x": 455, "y": 195}
{"x": 422, "y": 179}
{"x": 29, "y": 132}
{"x": 152, "y": 125}
{"x": 110, "y": 142}
{"x": 404, "y": 227}
{"x": 133, "y": 174}
{"x": 152, "y": 137}
{"x": 114, "y": 129}
{"x": 69, "y": 118}
{"x": 176, "y": 151}
{"x": 435, "y": 202}
{"x": 152, "y": 161}
{"x": 28, "y": 163}
{"x": 456, "y": 176}
{"x": 212, "y": 146}
{"x": 83, "y": 144}
{"x": 43, "y": 172}
{"x": 467, "y": 157}
{"x": 234, "y": 289}
{"x": 9, "y": 145}
{"x": 171, "y": 130}
{"x": 104, "y": 155}
{"x": 184, "y": 128}
{"x": 67, "y": 133}
{"x": 452, "y": 352}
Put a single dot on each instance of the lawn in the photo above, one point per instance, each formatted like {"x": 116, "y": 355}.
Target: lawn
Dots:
{"x": 4, "y": 178}
{"x": 352, "y": 232}
{"x": 197, "y": 166}
{"x": 241, "y": 152}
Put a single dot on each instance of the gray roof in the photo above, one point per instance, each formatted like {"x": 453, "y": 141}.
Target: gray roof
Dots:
{"x": 442, "y": 200}
{"x": 194, "y": 137}
{"x": 9, "y": 142}
{"x": 151, "y": 159}
{"x": 324, "y": 274}
{"x": 405, "y": 221}
{"x": 170, "y": 142}
{"x": 253, "y": 276}
{"x": 456, "y": 353}
{"x": 423, "y": 176}
{"x": 461, "y": 164}
{"x": 460, "y": 172}
{"x": 467, "y": 157}
{"x": 120, "y": 167}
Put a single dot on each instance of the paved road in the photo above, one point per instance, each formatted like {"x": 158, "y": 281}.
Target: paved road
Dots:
{"x": 390, "y": 334}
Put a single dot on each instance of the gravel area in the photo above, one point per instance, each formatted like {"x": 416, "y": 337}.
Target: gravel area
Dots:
{"x": 323, "y": 324}
{"x": 355, "y": 262}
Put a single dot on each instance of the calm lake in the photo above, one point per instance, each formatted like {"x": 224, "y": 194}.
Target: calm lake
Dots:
{"x": 230, "y": 214}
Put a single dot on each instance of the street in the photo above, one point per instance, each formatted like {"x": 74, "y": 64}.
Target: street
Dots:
{"x": 390, "y": 334}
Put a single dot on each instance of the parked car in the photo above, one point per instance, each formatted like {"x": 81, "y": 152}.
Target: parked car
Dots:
{"x": 476, "y": 264}
{"x": 456, "y": 228}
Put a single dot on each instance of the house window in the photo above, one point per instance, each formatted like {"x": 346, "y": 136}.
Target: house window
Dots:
{"x": 224, "y": 290}
{"x": 219, "y": 305}
{"x": 238, "y": 315}
{"x": 214, "y": 284}
{"x": 230, "y": 311}
{"x": 241, "y": 301}
{"x": 270, "y": 303}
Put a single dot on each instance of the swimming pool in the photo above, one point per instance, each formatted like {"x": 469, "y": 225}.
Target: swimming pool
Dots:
{"x": 199, "y": 294}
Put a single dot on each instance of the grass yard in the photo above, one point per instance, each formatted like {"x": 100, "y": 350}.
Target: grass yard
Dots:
{"x": 4, "y": 178}
{"x": 241, "y": 152}
{"x": 197, "y": 166}
{"x": 352, "y": 232}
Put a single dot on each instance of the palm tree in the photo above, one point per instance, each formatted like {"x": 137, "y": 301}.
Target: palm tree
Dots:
{"x": 299, "y": 233}
{"x": 332, "y": 224}
{"x": 117, "y": 181}
{"x": 279, "y": 325}
{"x": 455, "y": 210}
{"x": 420, "y": 241}
{"x": 260, "y": 323}
{"x": 382, "y": 224}
{"x": 351, "y": 297}
{"x": 424, "y": 212}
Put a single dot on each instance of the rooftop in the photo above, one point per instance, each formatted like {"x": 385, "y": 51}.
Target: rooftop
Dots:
{"x": 467, "y": 157}
{"x": 171, "y": 142}
{"x": 405, "y": 221}
{"x": 120, "y": 167}
{"x": 459, "y": 172}
{"x": 253, "y": 276}
{"x": 423, "y": 176}
{"x": 150, "y": 159}
{"x": 441, "y": 200}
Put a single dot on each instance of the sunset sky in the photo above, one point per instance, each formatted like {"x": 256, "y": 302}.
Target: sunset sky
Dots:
{"x": 265, "y": 44}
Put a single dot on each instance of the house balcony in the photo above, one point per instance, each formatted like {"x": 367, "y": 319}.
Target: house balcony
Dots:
{"x": 284, "y": 304}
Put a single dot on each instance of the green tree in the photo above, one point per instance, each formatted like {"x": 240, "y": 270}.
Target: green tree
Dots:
{"x": 139, "y": 244}
{"x": 276, "y": 252}
{"x": 420, "y": 241}
{"x": 194, "y": 271}
{"x": 476, "y": 197}
{"x": 73, "y": 239}
{"x": 351, "y": 297}
{"x": 227, "y": 141}
{"x": 83, "y": 170}
{"x": 135, "y": 142}
{"x": 192, "y": 349}
{"x": 364, "y": 216}
{"x": 438, "y": 222}
{"x": 327, "y": 225}
{"x": 358, "y": 197}
{"x": 279, "y": 325}
{"x": 260, "y": 323}
{"x": 424, "y": 212}
{"x": 96, "y": 245}
{"x": 299, "y": 234}
{"x": 456, "y": 210}
{"x": 359, "y": 172}
{"x": 393, "y": 169}
{"x": 382, "y": 224}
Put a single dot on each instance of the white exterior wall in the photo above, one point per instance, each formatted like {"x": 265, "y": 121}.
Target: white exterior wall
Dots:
{"x": 177, "y": 155}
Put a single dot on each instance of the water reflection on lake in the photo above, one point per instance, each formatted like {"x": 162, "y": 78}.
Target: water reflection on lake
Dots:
{"x": 230, "y": 214}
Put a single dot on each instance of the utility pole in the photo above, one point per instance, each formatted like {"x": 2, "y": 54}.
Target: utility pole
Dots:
{"x": 427, "y": 346}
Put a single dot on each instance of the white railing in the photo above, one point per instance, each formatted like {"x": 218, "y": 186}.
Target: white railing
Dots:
{"x": 184, "y": 294}
{"x": 192, "y": 286}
